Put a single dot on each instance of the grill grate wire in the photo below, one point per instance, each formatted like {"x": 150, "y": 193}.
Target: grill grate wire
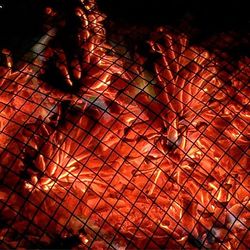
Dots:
{"x": 103, "y": 147}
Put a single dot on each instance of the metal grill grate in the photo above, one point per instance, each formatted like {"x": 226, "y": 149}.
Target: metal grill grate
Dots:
{"x": 106, "y": 147}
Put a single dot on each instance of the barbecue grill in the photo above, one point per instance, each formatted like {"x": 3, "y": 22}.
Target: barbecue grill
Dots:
{"x": 120, "y": 131}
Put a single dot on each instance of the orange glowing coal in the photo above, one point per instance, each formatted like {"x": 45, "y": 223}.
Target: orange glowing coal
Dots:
{"x": 133, "y": 159}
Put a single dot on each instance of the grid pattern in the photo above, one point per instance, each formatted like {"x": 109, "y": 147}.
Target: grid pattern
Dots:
{"x": 104, "y": 147}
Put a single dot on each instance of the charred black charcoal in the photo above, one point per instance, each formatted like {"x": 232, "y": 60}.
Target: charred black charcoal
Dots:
{"x": 195, "y": 242}
{"x": 64, "y": 243}
{"x": 53, "y": 77}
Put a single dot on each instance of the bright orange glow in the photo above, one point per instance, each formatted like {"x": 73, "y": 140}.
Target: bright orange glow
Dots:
{"x": 159, "y": 159}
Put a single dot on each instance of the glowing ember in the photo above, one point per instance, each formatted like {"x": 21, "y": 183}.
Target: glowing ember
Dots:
{"x": 133, "y": 159}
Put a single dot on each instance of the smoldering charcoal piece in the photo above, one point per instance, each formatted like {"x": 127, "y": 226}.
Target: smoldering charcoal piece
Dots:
{"x": 110, "y": 142}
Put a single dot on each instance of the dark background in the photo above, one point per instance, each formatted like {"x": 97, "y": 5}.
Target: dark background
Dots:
{"x": 209, "y": 14}
{"x": 21, "y": 20}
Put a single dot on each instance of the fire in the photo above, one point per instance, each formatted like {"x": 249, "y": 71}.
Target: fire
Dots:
{"x": 133, "y": 159}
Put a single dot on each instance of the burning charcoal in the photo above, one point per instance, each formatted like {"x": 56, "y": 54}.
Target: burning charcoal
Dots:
{"x": 120, "y": 149}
